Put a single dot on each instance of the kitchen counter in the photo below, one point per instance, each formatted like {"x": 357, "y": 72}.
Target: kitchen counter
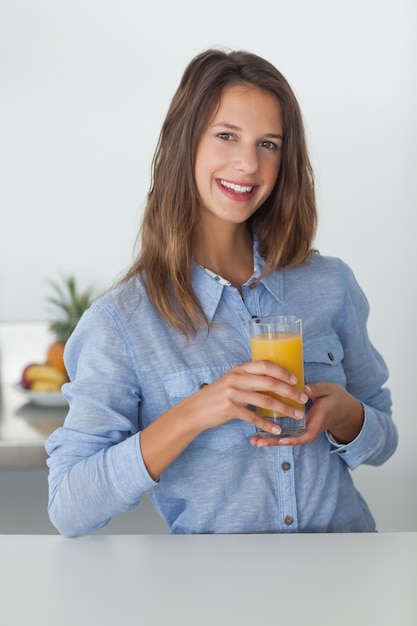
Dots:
{"x": 24, "y": 427}
{"x": 319, "y": 580}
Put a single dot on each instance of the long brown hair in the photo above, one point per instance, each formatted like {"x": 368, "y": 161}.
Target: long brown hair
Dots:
{"x": 284, "y": 225}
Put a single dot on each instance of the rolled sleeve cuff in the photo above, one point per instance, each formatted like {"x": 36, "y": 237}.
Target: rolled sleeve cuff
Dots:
{"x": 128, "y": 471}
{"x": 361, "y": 448}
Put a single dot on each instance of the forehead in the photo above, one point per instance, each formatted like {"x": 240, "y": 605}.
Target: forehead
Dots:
{"x": 247, "y": 100}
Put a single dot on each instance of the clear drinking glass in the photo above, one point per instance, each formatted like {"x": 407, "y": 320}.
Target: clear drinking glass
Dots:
{"x": 279, "y": 339}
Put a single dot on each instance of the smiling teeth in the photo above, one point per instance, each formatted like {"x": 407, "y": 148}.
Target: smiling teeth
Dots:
{"x": 236, "y": 188}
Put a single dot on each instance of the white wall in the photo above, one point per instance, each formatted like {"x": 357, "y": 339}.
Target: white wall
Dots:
{"x": 84, "y": 88}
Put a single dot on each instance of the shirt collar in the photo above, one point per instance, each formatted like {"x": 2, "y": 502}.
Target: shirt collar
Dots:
{"x": 209, "y": 290}
{"x": 274, "y": 281}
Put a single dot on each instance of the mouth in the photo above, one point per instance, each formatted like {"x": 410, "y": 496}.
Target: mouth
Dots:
{"x": 239, "y": 189}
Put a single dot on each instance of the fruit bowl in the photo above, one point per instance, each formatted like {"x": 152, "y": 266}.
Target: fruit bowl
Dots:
{"x": 43, "y": 398}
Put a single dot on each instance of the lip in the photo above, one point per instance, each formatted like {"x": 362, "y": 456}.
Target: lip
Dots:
{"x": 237, "y": 197}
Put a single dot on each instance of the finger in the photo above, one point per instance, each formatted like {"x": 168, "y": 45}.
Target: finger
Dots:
{"x": 254, "y": 387}
{"x": 267, "y": 442}
{"x": 260, "y": 422}
{"x": 311, "y": 433}
{"x": 263, "y": 442}
{"x": 263, "y": 392}
{"x": 271, "y": 403}
{"x": 267, "y": 377}
{"x": 267, "y": 368}
{"x": 316, "y": 390}
{"x": 260, "y": 391}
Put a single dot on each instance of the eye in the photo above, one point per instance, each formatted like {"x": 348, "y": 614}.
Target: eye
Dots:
{"x": 269, "y": 145}
{"x": 226, "y": 136}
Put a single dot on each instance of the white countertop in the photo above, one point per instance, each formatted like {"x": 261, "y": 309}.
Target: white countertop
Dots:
{"x": 24, "y": 428}
{"x": 213, "y": 580}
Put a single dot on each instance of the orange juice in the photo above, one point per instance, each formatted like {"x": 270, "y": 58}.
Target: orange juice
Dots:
{"x": 285, "y": 349}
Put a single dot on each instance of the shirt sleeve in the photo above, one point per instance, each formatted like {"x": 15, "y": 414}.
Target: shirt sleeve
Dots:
{"x": 366, "y": 376}
{"x": 96, "y": 469}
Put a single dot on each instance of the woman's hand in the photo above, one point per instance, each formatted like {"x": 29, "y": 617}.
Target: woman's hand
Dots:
{"x": 229, "y": 396}
{"x": 334, "y": 409}
{"x": 224, "y": 399}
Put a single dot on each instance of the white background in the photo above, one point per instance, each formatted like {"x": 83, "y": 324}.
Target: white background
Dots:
{"x": 84, "y": 88}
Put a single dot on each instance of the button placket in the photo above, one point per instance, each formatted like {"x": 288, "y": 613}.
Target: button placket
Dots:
{"x": 286, "y": 491}
{"x": 250, "y": 298}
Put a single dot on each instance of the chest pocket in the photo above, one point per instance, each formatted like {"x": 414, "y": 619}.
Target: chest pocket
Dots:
{"x": 323, "y": 360}
{"x": 182, "y": 384}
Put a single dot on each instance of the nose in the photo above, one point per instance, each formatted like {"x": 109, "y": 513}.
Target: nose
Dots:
{"x": 247, "y": 158}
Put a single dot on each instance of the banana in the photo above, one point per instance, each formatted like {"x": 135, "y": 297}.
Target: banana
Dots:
{"x": 44, "y": 385}
{"x": 43, "y": 377}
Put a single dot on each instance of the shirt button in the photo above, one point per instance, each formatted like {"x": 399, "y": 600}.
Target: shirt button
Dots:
{"x": 286, "y": 466}
{"x": 331, "y": 356}
{"x": 289, "y": 520}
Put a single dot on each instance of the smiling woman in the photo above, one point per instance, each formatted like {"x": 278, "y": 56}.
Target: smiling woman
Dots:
{"x": 85, "y": 88}
{"x": 162, "y": 384}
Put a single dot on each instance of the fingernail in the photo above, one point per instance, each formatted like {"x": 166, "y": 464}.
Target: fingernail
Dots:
{"x": 303, "y": 398}
{"x": 308, "y": 388}
{"x": 276, "y": 430}
{"x": 283, "y": 442}
{"x": 293, "y": 379}
{"x": 299, "y": 413}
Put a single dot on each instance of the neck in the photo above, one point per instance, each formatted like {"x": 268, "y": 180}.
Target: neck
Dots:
{"x": 228, "y": 253}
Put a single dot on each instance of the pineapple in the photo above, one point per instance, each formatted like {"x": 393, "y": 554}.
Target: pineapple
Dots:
{"x": 69, "y": 305}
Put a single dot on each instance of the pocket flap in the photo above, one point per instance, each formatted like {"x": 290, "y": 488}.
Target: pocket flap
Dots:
{"x": 326, "y": 349}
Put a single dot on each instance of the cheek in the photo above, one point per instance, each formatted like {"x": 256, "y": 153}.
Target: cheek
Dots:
{"x": 271, "y": 172}
{"x": 198, "y": 172}
{"x": 202, "y": 163}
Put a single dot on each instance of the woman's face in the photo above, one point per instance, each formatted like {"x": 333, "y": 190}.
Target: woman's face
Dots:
{"x": 239, "y": 155}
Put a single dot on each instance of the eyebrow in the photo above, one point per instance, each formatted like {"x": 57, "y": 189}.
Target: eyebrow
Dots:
{"x": 233, "y": 127}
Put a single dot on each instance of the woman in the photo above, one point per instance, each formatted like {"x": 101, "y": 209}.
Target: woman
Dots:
{"x": 162, "y": 385}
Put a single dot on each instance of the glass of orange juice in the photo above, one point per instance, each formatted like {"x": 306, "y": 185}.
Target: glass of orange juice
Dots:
{"x": 279, "y": 339}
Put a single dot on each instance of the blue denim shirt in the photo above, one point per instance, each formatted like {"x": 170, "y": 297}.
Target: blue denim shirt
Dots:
{"x": 127, "y": 367}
